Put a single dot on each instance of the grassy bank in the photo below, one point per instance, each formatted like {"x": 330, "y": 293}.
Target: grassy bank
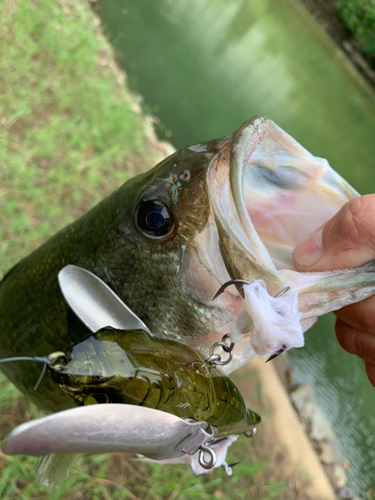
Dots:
{"x": 69, "y": 134}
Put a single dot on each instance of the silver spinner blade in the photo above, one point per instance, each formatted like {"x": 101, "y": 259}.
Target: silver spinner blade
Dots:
{"x": 95, "y": 303}
{"x": 109, "y": 428}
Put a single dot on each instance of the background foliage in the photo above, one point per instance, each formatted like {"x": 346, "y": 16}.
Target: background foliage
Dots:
{"x": 359, "y": 18}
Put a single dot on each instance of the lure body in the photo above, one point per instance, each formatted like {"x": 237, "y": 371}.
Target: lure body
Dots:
{"x": 130, "y": 367}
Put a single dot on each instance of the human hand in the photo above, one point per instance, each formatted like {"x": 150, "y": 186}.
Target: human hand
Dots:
{"x": 347, "y": 241}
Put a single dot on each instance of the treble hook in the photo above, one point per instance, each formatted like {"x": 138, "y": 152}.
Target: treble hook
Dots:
{"x": 232, "y": 282}
{"x": 277, "y": 353}
{"x": 244, "y": 282}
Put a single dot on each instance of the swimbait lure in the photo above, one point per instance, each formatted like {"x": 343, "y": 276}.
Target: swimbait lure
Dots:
{"x": 130, "y": 367}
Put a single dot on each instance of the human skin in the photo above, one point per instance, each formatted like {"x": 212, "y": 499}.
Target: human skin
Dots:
{"x": 347, "y": 241}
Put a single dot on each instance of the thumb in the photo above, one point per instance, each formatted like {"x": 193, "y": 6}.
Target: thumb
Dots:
{"x": 345, "y": 241}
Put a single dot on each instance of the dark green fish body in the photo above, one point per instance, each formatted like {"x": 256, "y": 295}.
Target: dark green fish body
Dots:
{"x": 144, "y": 272}
{"x": 130, "y": 367}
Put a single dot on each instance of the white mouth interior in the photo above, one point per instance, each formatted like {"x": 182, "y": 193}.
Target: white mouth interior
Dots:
{"x": 288, "y": 195}
{"x": 268, "y": 194}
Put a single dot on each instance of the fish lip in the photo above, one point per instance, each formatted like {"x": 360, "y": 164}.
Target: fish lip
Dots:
{"x": 244, "y": 254}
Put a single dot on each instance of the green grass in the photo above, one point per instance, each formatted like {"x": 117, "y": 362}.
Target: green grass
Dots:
{"x": 116, "y": 477}
{"x": 69, "y": 134}
{"x": 119, "y": 476}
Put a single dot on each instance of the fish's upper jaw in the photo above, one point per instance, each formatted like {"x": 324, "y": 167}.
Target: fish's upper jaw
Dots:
{"x": 244, "y": 254}
{"x": 268, "y": 193}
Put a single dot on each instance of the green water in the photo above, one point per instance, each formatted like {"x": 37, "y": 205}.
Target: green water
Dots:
{"x": 205, "y": 66}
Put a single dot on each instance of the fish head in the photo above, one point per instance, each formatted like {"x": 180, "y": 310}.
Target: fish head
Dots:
{"x": 167, "y": 240}
{"x": 151, "y": 253}
{"x": 233, "y": 208}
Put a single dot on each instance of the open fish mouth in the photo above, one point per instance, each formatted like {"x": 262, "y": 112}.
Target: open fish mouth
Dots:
{"x": 268, "y": 193}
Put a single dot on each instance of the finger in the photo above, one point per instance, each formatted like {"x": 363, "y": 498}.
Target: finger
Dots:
{"x": 360, "y": 315}
{"x": 355, "y": 341}
{"x": 370, "y": 370}
{"x": 345, "y": 241}
{"x": 359, "y": 343}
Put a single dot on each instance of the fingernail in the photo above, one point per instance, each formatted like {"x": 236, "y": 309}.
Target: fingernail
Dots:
{"x": 309, "y": 251}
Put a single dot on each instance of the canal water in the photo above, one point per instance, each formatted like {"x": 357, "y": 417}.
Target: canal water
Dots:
{"x": 205, "y": 66}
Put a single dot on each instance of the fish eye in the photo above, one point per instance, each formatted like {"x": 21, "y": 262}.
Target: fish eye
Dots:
{"x": 96, "y": 399}
{"x": 154, "y": 219}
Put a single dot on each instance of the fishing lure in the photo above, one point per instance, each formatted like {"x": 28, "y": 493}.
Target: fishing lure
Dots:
{"x": 130, "y": 367}
{"x": 164, "y": 399}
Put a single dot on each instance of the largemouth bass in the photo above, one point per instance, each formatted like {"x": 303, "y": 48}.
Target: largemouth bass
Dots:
{"x": 168, "y": 239}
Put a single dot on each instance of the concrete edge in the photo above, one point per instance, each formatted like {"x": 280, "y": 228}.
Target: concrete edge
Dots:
{"x": 288, "y": 428}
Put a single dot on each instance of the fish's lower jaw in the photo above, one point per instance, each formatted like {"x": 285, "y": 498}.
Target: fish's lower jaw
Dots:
{"x": 320, "y": 293}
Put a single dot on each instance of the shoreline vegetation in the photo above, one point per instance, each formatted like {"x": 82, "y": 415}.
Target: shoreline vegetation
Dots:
{"x": 351, "y": 24}
{"x": 70, "y": 133}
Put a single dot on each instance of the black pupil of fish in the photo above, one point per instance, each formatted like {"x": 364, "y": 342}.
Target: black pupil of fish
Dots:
{"x": 154, "y": 219}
